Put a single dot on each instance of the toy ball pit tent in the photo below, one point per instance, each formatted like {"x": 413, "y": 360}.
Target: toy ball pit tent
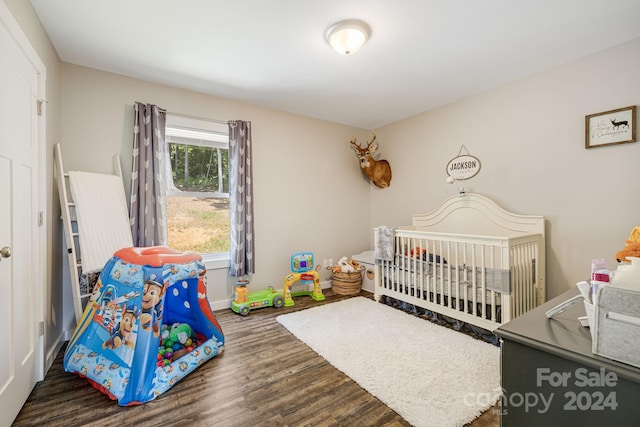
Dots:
{"x": 118, "y": 342}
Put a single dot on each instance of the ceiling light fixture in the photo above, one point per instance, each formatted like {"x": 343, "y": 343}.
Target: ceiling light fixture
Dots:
{"x": 348, "y": 36}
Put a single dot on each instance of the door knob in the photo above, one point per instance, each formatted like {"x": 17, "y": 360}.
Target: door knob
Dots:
{"x": 5, "y": 252}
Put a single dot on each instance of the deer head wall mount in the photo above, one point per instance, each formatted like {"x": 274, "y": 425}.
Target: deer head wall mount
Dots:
{"x": 378, "y": 171}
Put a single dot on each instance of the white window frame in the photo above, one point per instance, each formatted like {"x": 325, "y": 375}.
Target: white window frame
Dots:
{"x": 192, "y": 131}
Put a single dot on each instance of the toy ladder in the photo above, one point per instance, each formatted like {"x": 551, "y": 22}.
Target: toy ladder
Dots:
{"x": 71, "y": 236}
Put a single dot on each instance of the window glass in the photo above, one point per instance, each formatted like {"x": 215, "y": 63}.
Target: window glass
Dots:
{"x": 197, "y": 185}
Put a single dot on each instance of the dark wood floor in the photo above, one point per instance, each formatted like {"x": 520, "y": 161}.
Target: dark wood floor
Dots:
{"x": 264, "y": 377}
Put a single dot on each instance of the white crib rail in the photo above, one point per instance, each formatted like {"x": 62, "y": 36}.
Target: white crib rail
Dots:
{"x": 484, "y": 281}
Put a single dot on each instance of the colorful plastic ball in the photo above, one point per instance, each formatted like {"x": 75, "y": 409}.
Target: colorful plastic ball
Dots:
{"x": 190, "y": 348}
{"x": 168, "y": 355}
{"x": 177, "y": 346}
{"x": 167, "y": 362}
{"x": 188, "y": 342}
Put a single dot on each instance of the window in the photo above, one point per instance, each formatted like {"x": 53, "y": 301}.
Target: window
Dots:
{"x": 197, "y": 185}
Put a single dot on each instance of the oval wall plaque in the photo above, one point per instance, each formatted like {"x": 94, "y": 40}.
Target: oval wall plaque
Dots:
{"x": 463, "y": 167}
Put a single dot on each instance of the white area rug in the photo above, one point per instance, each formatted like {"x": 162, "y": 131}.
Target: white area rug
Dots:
{"x": 431, "y": 375}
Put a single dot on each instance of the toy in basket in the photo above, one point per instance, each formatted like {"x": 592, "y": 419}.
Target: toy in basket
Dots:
{"x": 346, "y": 277}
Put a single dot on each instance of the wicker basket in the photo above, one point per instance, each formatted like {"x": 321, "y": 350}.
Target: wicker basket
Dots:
{"x": 346, "y": 283}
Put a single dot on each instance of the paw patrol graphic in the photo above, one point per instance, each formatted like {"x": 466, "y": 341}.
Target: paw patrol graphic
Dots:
{"x": 103, "y": 304}
{"x": 122, "y": 335}
{"x": 108, "y": 313}
{"x": 121, "y": 329}
{"x": 98, "y": 368}
{"x": 97, "y": 291}
{"x": 151, "y": 316}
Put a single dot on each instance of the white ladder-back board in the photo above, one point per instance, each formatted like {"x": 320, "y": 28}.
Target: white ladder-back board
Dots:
{"x": 71, "y": 230}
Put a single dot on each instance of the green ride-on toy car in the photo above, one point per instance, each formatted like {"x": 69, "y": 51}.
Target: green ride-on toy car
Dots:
{"x": 246, "y": 301}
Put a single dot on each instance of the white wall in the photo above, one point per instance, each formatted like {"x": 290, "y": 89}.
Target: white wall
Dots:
{"x": 309, "y": 192}
{"x": 529, "y": 137}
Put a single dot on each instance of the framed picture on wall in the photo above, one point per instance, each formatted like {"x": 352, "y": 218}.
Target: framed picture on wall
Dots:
{"x": 611, "y": 127}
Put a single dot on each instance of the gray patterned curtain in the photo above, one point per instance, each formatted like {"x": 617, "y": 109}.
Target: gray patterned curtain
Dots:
{"x": 241, "y": 249}
{"x": 148, "y": 204}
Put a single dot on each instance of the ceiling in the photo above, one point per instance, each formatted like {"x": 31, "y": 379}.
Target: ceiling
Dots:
{"x": 422, "y": 53}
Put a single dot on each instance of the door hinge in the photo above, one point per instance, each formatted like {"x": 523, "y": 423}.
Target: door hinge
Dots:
{"x": 41, "y": 325}
{"x": 40, "y": 219}
{"x": 41, "y": 103}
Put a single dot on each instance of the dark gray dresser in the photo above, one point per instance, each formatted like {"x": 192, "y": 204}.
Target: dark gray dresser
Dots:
{"x": 550, "y": 377}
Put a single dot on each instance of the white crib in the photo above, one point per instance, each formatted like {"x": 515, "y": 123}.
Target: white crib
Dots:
{"x": 469, "y": 260}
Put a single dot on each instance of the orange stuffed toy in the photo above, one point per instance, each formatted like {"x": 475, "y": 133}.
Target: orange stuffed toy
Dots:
{"x": 632, "y": 248}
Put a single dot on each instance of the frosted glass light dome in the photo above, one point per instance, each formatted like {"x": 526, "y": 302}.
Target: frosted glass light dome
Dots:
{"x": 348, "y": 36}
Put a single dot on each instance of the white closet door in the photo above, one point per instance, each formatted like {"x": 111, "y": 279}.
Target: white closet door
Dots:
{"x": 21, "y": 262}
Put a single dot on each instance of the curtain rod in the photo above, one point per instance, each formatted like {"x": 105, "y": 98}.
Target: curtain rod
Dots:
{"x": 223, "y": 122}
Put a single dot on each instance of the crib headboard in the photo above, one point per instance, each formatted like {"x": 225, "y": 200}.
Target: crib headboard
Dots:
{"x": 475, "y": 214}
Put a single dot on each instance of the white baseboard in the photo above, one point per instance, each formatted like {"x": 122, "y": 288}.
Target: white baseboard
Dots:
{"x": 221, "y": 305}
{"x": 54, "y": 350}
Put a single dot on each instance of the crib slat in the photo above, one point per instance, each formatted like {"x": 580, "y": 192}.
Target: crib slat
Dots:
{"x": 456, "y": 276}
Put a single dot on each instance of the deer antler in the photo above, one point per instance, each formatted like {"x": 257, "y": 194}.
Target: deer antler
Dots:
{"x": 373, "y": 138}
{"x": 353, "y": 141}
